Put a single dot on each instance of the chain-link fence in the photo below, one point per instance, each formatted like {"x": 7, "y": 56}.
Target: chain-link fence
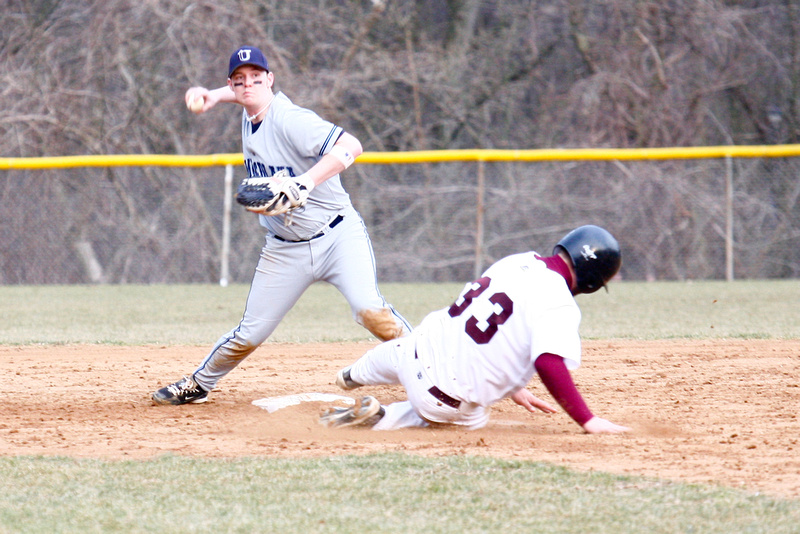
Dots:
{"x": 674, "y": 219}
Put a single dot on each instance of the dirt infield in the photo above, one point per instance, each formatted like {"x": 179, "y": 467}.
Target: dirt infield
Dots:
{"x": 721, "y": 411}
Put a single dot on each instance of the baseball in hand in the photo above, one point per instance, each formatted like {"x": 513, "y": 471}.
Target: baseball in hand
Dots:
{"x": 195, "y": 103}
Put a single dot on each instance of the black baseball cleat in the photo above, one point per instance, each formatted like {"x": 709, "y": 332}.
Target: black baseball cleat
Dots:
{"x": 344, "y": 381}
{"x": 367, "y": 411}
{"x": 184, "y": 391}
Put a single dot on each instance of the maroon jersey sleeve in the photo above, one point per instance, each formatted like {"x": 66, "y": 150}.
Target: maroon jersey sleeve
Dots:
{"x": 556, "y": 378}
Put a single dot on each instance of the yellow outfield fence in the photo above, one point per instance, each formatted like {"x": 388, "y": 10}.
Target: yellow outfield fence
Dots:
{"x": 433, "y": 215}
{"x": 419, "y": 156}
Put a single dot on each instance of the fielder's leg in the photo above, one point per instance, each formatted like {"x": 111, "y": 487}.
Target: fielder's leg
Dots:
{"x": 349, "y": 264}
{"x": 279, "y": 281}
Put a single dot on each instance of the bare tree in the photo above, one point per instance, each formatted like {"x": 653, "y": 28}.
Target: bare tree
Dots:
{"x": 90, "y": 77}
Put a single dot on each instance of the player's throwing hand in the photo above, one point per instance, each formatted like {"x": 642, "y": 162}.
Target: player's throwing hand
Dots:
{"x": 198, "y": 99}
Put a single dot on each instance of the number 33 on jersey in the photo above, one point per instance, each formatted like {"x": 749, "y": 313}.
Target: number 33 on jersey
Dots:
{"x": 482, "y": 330}
{"x": 502, "y": 322}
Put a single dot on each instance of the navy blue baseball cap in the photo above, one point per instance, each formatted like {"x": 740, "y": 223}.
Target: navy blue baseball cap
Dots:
{"x": 247, "y": 55}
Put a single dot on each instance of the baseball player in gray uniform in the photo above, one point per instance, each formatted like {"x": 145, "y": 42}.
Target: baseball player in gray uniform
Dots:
{"x": 322, "y": 238}
{"x": 518, "y": 319}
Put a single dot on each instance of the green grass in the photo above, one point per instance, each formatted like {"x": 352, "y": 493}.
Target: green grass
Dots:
{"x": 186, "y": 314}
{"x": 200, "y": 314}
{"x": 743, "y": 309}
{"x": 377, "y": 493}
{"x": 380, "y": 493}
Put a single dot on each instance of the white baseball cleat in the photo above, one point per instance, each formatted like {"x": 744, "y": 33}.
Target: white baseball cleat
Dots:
{"x": 367, "y": 411}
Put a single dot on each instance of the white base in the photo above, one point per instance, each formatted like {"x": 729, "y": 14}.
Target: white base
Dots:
{"x": 273, "y": 404}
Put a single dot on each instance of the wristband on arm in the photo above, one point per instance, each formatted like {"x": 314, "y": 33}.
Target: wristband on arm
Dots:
{"x": 343, "y": 155}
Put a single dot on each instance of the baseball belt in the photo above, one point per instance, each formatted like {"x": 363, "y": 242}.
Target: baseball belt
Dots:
{"x": 440, "y": 395}
{"x": 339, "y": 218}
{"x": 444, "y": 397}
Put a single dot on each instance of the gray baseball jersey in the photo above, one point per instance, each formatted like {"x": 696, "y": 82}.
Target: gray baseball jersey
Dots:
{"x": 294, "y": 139}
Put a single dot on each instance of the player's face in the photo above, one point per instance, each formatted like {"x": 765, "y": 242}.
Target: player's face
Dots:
{"x": 251, "y": 85}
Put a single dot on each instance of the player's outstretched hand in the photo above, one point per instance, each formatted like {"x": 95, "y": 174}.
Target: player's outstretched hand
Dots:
{"x": 597, "y": 425}
{"x": 527, "y": 400}
{"x": 199, "y": 99}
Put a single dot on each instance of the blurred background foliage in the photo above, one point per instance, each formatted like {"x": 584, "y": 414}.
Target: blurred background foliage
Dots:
{"x": 108, "y": 77}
